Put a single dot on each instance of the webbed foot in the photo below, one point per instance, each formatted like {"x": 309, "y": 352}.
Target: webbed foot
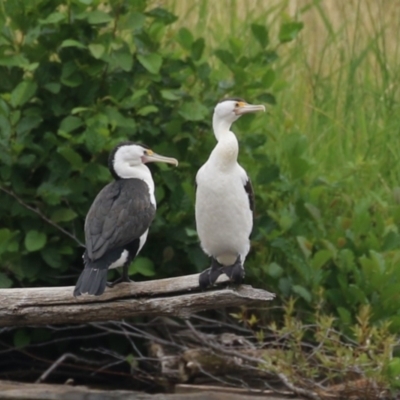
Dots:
{"x": 235, "y": 272}
{"x": 123, "y": 278}
{"x": 210, "y": 275}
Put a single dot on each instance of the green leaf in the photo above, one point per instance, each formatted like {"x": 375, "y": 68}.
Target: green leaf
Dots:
{"x": 5, "y": 281}
{"x": 63, "y": 215}
{"x": 320, "y": 258}
{"x": 197, "y": 49}
{"x": 5, "y": 236}
{"x": 94, "y": 141}
{"x": 52, "y": 257}
{"x": 97, "y": 50}
{"x": 268, "y": 78}
{"x": 26, "y": 124}
{"x": 21, "y": 338}
{"x": 98, "y": 17}
{"x": 268, "y": 174}
{"x": 17, "y": 60}
{"x": 274, "y": 270}
{"x": 70, "y": 123}
{"x": 298, "y": 166}
{"x": 393, "y": 371}
{"x": 78, "y": 110}
{"x": 163, "y": 15}
{"x": 51, "y": 193}
{"x": 53, "y": 87}
{"x": 344, "y": 314}
{"x": 143, "y": 266}
{"x": 226, "y": 57}
{"x": 53, "y": 18}
{"x": 193, "y": 111}
{"x": 305, "y": 245}
{"x": 134, "y": 20}
{"x": 70, "y": 75}
{"x": 22, "y": 93}
{"x": 302, "y": 292}
{"x": 72, "y": 43}
{"x": 35, "y": 240}
{"x": 289, "y": 30}
{"x": 314, "y": 211}
{"x": 71, "y": 156}
{"x": 152, "y": 62}
{"x": 5, "y": 128}
{"x": 146, "y": 110}
{"x": 123, "y": 60}
{"x": 171, "y": 95}
{"x": 260, "y": 32}
{"x": 391, "y": 241}
{"x": 185, "y": 38}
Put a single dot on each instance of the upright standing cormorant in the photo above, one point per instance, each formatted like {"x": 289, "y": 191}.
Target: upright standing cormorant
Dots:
{"x": 224, "y": 199}
{"x": 118, "y": 221}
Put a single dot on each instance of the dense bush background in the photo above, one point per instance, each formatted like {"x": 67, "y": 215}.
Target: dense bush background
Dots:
{"x": 77, "y": 80}
{"x": 78, "y": 77}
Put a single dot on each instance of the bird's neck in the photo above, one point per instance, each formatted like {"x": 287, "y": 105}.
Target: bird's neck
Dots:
{"x": 126, "y": 171}
{"x": 226, "y": 151}
{"x": 220, "y": 127}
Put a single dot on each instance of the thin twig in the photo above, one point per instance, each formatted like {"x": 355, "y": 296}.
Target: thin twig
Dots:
{"x": 42, "y": 216}
{"x": 299, "y": 391}
{"x": 59, "y": 361}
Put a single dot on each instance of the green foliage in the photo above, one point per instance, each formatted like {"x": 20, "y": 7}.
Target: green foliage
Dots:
{"x": 325, "y": 164}
{"x": 318, "y": 358}
{"x": 76, "y": 79}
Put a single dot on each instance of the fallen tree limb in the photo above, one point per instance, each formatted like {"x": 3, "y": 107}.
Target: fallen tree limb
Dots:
{"x": 173, "y": 296}
{"x": 28, "y": 391}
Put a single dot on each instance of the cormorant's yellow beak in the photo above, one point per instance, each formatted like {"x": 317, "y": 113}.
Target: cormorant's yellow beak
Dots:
{"x": 150, "y": 156}
{"x": 245, "y": 108}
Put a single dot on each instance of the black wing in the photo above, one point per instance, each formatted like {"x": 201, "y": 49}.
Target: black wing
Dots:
{"x": 121, "y": 213}
{"x": 250, "y": 193}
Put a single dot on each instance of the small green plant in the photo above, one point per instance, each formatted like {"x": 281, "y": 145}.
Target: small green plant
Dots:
{"x": 318, "y": 361}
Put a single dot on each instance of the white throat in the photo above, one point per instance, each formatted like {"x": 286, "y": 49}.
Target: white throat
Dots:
{"x": 226, "y": 151}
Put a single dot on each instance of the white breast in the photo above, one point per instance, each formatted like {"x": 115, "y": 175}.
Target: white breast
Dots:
{"x": 223, "y": 217}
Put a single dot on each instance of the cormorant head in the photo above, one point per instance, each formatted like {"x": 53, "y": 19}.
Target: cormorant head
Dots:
{"x": 229, "y": 110}
{"x": 127, "y": 156}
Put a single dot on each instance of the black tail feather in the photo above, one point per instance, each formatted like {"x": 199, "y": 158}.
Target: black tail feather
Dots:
{"x": 92, "y": 281}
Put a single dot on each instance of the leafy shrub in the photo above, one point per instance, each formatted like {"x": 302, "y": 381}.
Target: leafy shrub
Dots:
{"x": 77, "y": 78}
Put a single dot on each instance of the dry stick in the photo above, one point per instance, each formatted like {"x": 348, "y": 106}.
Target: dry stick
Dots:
{"x": 59, "y": 361}
{"x": 284, "y": 379}
{"x": 41, "y": 215}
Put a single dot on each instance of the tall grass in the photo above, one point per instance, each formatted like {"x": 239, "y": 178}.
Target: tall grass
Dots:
{"x": 338, "y": 82}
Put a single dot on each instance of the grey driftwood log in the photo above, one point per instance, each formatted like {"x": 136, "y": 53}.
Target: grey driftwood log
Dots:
{"x": 31, "y": 391}
{"x": 173, "y": 296}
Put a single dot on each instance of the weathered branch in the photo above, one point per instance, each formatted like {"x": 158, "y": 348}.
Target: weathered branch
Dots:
{"x": 27, "y": 391}
{"x": 172, "y": 296}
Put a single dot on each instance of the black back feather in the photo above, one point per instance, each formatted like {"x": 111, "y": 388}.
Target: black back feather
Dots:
{"x": 121, "y": 213}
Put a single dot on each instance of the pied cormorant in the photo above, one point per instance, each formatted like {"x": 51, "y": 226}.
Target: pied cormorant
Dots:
{"x": 225, "y": 199}
{"x": 118, "y": 221}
